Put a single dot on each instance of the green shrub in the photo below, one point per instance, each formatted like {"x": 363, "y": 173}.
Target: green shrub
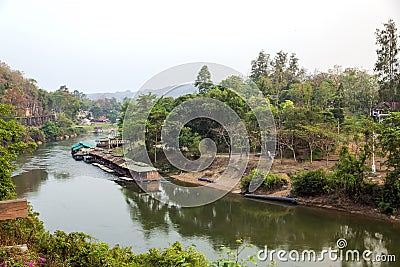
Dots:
{"x": 270, "y": 182}
{"x": 245, "y": 181}
{"x": 232, "y": 257}
{"x": 51, "y": 130}
{"x": 36, "y": 134}
{"x": 349, "y": 173}
{"x": 389, "y": 201}
{"x": 15, "y": 257}
{"x": 274, "y": 181}
{"x": 21, "y": 230}
{"x": 173, "y": 256}
{"x": 311, "y": 183}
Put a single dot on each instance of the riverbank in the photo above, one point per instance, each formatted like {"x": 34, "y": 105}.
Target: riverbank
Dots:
{"x": 51, "y": 132}
{"x": 334, "y": 202}
{"x": 288, "y": 167}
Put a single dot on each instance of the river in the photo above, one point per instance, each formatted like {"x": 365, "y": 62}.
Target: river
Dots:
{"x": 74, "y": 196}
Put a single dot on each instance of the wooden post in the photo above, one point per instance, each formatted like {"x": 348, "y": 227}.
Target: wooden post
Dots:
{"x": 12, "y": 209}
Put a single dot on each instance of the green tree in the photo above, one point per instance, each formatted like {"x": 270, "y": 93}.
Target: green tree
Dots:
{"x": 289, "y": 139}
{"x": 154, "y": 125}
{"x": 350, "y": 172}
{"x": 300, "y": 94}
{"x": 260, "y": 67}
{"x": 203, "y": 81}
{"x": 279, "y": 75}
{"x": 62, "y": 101}
{"x": 13, "y": 144}
{"x": 312, "y": 135}
{"x": 121, "y": 116}
{"x": 51, "y": 130}
{"x": 389, "y": 141}
{"x": 360, "y": 91}
{"x": 294, "y": 71}
{"x": 96, "y": 110}
{"x": 189, "y": 140}
{"x": 328, "y": 139}
{"x": 387, "y": 64}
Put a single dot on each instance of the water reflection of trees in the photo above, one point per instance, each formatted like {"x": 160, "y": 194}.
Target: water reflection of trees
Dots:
{"x": 378, "y": 239}
{"x": 29, "y": 181}
{"x": 151, "y": 213}
{"x": 260, "y": 223}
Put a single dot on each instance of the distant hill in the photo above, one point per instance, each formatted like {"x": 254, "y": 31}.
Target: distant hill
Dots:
{"x": 167, "y": 91}
{"x": 117, "y": 95}
{"x": 174, "y": 91}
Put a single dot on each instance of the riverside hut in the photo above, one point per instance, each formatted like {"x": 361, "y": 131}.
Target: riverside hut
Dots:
{"x": 75, "y": 148}
{"x": 80, "y": 150}
{"x": 140, "y": 171}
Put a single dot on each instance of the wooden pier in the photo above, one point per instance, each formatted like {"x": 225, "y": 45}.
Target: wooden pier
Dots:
{"x": 110, "y": 142}
{"x": 36, "y": 120}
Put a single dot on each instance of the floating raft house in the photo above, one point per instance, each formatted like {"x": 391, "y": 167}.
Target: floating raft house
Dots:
{"x": 139, "y": 171}
{"x": 75, "y": 148}
{"x": 80, "y": 151}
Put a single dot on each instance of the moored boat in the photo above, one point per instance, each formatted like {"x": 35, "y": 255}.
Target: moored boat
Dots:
{"x": 206, "y": 180}
{"x": 272, "y": 198}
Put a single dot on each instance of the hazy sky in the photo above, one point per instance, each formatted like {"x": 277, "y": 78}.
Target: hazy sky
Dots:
{"x": 100, "y": 46}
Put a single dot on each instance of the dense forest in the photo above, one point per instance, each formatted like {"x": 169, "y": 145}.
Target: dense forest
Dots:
{"x": 349, "y": 114}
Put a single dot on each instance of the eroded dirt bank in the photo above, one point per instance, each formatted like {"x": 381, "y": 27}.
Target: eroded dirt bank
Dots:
{"x": 288, "y": 166}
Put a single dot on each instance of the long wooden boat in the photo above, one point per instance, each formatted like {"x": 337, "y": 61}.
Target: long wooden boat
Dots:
{"x": 272, "y": 198}
{"x": 206, "y": 180}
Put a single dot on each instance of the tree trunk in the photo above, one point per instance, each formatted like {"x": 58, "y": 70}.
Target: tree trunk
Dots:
{"x": 294, "y": 155}
{"x": 327, "y": 157}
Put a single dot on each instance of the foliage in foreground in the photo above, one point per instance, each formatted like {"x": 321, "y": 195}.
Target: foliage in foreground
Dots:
{"x": 80, "y": 249}
{"x": 232, "y": 258}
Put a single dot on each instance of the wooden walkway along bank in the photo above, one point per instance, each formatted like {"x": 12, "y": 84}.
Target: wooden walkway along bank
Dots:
{"x": 36, "y": 120}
